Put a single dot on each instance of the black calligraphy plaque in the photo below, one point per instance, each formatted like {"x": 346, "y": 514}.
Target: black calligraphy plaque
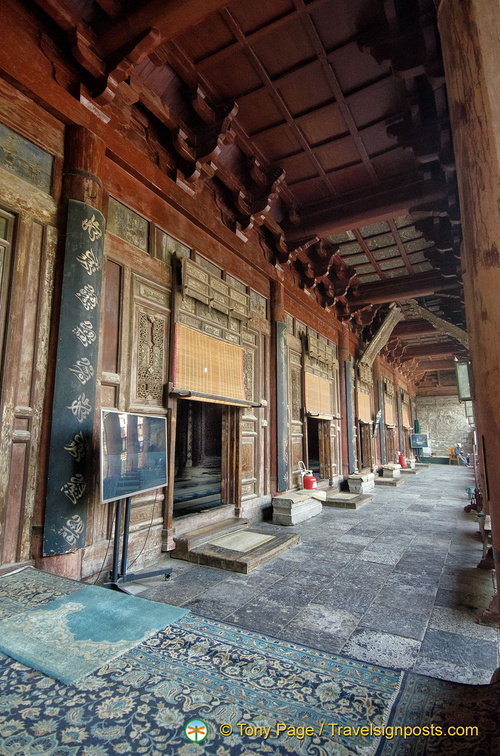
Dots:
{"x": 70, "y": 456}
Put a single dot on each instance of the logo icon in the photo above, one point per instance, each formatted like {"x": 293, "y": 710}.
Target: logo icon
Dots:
{"x": 196, "y": 730}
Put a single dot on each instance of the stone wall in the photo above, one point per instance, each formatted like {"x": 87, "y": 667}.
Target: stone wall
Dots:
{"x": 443, "y": 419}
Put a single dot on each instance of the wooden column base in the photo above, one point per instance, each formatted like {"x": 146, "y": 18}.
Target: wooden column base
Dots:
{"x": 65, "y": 565}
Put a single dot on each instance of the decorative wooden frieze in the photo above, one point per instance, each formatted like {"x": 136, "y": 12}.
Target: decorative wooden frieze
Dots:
{"x": 365, "y": 376}
{"x": 69, "y": 483}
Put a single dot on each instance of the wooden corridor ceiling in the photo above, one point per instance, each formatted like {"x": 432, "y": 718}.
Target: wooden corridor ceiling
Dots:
{"x": 321, "y": 123}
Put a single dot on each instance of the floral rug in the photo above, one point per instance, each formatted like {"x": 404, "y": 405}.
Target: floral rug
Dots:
{"x": 70, "y": 636}
{"x": 197, "y": 687}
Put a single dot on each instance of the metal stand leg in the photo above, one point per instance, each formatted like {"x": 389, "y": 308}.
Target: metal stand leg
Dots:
{"x": 117, "y": 578}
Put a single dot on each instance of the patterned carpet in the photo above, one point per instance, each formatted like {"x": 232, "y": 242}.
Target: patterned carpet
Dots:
{"x": 74, "y": 635}
{"x": 225, "y": 676}
{"x": 255, "y": 694}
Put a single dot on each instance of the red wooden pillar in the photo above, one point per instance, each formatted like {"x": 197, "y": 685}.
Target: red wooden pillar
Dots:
{"x": 470, "y": 31}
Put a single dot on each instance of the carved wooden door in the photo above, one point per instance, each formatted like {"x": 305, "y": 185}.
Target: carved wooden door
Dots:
{"x": 390, "y": 444}
{"x": 325, "y": 445}
{"x": 27, "y": 253}
{"x": 365, "y": 442}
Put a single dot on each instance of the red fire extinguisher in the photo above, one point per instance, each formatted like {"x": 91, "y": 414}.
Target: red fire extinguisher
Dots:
{"x": 402, "y": 459}
{"x": 310, "y": 481}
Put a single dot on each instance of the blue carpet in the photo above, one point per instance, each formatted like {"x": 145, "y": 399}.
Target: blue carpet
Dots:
{"x": 256, "y": 695}
{"x": 196, "y": 668}
{"x": 71, "y": 636}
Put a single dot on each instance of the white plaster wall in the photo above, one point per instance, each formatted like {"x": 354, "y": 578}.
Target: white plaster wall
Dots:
{"x": 443, "y": 419}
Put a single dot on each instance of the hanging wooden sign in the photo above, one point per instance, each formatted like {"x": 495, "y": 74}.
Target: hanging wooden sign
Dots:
{"x": 70, "y": 470}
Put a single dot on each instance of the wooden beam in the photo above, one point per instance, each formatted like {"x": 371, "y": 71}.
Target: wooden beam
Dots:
{"x": 437, "y": 391}
{"x": 397, "y": 290}
{"x": 425, "y": 366}
{"x": 170, "y": 18}
{"x": 365, "y": 206}
{"x": 442, "y": 348}
{"x": 410, "y": 328}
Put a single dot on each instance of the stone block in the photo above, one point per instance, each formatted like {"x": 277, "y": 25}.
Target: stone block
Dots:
{"x": 361, "y": 483}
{"x": 391, "y": 470}
{"x": 291, "y": 510}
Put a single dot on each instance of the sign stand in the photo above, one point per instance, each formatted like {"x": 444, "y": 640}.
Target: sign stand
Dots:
{"x": 119, "y": 574}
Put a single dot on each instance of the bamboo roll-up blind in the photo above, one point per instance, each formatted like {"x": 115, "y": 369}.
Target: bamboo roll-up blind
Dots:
{"x": 364, "y": 407}
{"x": 389, "y": 413}
{"x": 318, "y": 395}
{"x": 207, "y": 365}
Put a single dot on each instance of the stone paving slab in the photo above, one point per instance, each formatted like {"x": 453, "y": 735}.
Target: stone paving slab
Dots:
{"x": 394, "y": 583}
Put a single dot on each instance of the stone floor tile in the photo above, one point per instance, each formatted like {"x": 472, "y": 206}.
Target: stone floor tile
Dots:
{"x": 403, "y": 622}
{"x": 380, "y": 557}
{"x": 405, "y": 597}
{"x": 454, "y": 672}
{"x": 312, "y": 638}
{"x": 382, "y": 648}
{"x": 341, "y": 591}
{"x": 459, "y": 649}
{"x": 478, "y": 599}
{"x": 342, "y": 595}
{"x": 461, "y": 621}
{"x": 329, "y": 621}
{"x": 262, "y": 616}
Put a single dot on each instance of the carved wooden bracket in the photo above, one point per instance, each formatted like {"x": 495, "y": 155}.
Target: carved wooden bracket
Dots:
{"x": 382, "y": 336}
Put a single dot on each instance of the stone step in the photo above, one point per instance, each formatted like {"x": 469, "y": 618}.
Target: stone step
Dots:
{"x": 409, "y": 471}
{"x": 388, "y": 481}
{"x": 217, "y": 554}
{"x": 195, "y": 538}
{"x": 346, "y": 500}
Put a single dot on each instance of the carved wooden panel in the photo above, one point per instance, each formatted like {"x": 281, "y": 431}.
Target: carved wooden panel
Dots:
{"x": 135, "y": 340}
{"x": 390, "y": 444}
{"x": 207, "y": 287}
{"x": 151, "y": 357}
{"x": 25, "y": 160}
{"x": 128, "y": 225}
{"x": 166, "y": 246}
{"x": 336, "y": 446}
{"x": 251, "y": 434}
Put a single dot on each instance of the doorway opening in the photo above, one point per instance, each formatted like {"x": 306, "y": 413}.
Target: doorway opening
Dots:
{"x": 319, "y": 448}
{"x": 313, "y": 446}
{"x": 198, "y": 457}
